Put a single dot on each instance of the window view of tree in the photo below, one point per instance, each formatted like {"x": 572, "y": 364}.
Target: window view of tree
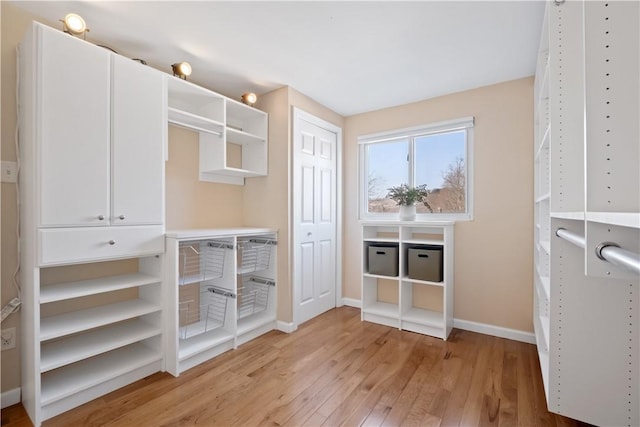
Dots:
{"x": 435, "y": 160}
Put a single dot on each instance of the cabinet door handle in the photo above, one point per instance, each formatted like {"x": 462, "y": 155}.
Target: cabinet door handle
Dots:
{"x": 121, "y": 217}
{"x": 112, "y": 242}
{"x": 101, "y": 217}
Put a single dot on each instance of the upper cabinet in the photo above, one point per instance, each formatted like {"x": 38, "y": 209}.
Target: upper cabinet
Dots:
{"x": 233, "y": 136}
{"x": 73, "y": 137}
{"x": 101, "y": 136}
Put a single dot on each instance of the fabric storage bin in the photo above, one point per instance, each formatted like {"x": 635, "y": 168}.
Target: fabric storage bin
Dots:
{"x": 383, "y": 260}
{"x": 425, "y": 263}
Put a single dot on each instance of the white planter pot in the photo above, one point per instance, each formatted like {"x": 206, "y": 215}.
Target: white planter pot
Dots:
{"x": 407, "y": 213}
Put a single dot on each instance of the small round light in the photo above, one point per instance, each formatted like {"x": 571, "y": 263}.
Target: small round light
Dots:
{"x": 74, "y": 24}
{"x": 249, "y": 98}
{"x": 181, "y": 69}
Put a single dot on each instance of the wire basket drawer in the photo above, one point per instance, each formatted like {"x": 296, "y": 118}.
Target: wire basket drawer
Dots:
{"x": 203, "y": 313}
{"x": 254, "y": 255}
{"x": 253, "y": 295}
{"x": 201, "y": 260}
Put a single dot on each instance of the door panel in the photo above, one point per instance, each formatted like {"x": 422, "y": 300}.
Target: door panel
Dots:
{"x": 74, "y": 143}
{"x": 307, "y": 272}
{"x": 137, "y": 143}
{"x": 315, "y": 221}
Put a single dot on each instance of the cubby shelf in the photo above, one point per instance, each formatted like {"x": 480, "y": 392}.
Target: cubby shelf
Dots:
{"x": 396, "y": 300}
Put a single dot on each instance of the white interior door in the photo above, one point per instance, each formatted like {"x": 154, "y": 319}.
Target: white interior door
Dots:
{"x": 315, "y": 201}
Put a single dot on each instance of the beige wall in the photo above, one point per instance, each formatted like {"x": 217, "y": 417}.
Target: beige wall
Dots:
{"x": 191, "y": 203}
{"x": 267, "y": 200}
{"x": 493, "y": 253}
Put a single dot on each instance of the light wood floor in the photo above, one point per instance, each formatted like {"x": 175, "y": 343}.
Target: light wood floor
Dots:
{"x": 336, "y": 370}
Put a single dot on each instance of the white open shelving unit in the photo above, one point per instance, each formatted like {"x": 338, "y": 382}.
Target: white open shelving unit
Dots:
{"x": 399, "y": 301}
{"x": 220, "y": 287}
{"x": 233, "y": 136}
{"x": 587, "y": 185}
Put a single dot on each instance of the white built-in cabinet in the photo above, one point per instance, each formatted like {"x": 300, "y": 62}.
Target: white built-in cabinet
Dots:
{"x": 587, "y": 193}
{"x": 92, "y": 144}
{"x": 220, "y": 292}
{"x": 397, "y": 300}
{"x": 232, "y": 135}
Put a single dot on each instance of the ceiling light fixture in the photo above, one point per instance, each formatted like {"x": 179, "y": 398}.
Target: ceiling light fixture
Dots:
{"x": 181, "y": 69}
{"x": 74, "y": 24}
{"x": 249, "y": 98}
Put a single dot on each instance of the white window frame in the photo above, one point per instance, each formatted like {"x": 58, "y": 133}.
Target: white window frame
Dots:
{"x": 465, "y": 123}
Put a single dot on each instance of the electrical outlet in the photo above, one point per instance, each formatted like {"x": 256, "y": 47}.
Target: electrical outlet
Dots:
{"x": 9, "y": 171}
{"x": 8, "y": 338}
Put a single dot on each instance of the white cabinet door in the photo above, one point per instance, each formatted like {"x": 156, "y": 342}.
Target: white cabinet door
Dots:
{"x": 73, "y": 104}
{"x": 138, "y": 123}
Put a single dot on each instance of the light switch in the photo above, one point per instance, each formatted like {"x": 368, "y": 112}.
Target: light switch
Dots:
{"x": 9, "y": 171}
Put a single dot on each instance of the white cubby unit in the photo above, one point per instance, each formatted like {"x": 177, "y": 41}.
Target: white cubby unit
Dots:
{"x": 391, "y": 294}
{"x": 232, "y": 135}
{"x": 587, "y": 210}
{"x": 92, "y": 136}
{"x": 220, "y": 292}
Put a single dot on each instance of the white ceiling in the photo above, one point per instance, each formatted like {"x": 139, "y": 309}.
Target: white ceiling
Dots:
{"x": 352, "y": 57}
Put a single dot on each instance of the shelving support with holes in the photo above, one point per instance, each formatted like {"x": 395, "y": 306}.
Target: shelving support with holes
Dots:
{"x": 232, "y": 135}
{"x": 587, "y": 195}
{"x": 391, "y": 295}
{"x": 220, "y": 289}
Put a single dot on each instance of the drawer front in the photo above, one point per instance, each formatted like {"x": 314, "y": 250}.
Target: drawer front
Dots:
{"x": 77, "y": 245}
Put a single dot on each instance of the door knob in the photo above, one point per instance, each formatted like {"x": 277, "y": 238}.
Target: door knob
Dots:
{"x": 309, "y": 233}
{"x": 101, "y": 217}
{"x": 121, "y": 217}
{"x": 112, "y": 242}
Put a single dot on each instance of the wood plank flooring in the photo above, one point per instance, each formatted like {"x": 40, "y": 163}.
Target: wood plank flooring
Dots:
{"x": 336, "y": 370}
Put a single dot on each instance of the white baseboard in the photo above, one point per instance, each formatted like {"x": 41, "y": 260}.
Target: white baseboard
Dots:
{"x": 10, "y": 397}
{"x": 496, "y": 331}
{"x": 286, "y": 327}
{"x": 352, "y": 302}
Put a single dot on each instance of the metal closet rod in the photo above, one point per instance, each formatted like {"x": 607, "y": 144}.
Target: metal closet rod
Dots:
{"x": 606, "y": 251}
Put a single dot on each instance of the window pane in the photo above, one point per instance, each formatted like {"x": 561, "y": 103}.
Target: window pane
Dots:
{"x": 388, "y": 166}
{"x": 440, "y": 163}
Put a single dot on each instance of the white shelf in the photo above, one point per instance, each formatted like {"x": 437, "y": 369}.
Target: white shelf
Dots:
{"x": 378, "y": 276}
{"x": 197, "y": 328}
{"x": 64, "y": 291}
{"x": 577, "y": 216}
{"x": 69, "y": 380}
{"x": 409, "y": 234}
{"x": 624, "y": 219}
{"x": 423, "y": 282}
{"x": 546, "y": 245}
{"x": 254, "y": 321}
{"x": 381, "y": 239}
{"x": 543, "y": 198}
{"x": 236, "y": 136}
{"x": 424, "y": 317}
{"x": 77, "y": 347}
{"x": 83, "y": 320}
{"x": 242, "y": 173}
{"x": 382, "y": 309}
{"x": 194, "y": 122}
{"x": 197, "y": 344}
{"x": 432, "y": 242}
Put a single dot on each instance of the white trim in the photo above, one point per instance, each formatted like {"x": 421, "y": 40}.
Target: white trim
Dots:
{"x": 286, "y": 327}
{"x": 352, "y": 302}
{"x": 496, "y": 331}
{"x": 299, "y": 114}
{"x": 448, "y": 125}
{"x": 10, "y": 397}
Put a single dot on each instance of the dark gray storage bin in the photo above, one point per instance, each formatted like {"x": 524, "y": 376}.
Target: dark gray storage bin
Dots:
{"x": 383, "y": 260}
{"x": 425, "y": 263}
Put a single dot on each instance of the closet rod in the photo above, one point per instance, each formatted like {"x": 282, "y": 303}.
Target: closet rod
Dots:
{"x": 574, "y": 238}
{"x": 606, "y": 251}
{"x": 617, "y": 256}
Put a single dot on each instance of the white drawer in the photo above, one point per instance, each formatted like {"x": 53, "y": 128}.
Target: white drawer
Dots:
{"x": 77, "y": 245}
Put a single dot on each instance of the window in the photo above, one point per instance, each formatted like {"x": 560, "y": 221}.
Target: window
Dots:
{"x": 437, "y": 155}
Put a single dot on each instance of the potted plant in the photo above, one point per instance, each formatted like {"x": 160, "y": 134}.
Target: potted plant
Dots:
{"x": 406, "y": 197}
